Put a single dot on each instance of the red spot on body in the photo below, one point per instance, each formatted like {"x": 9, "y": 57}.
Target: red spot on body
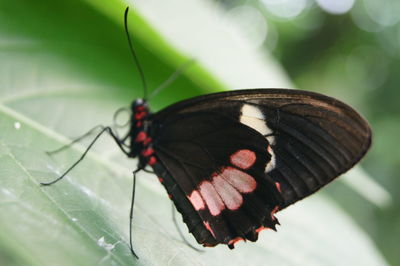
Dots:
{"x": 234, "y": 241}
{"x": 147, "y": 141}
{"x": 240, "y": 180}
{"x": 243, "y": 159}
{"x": 140, "y": 115}
{"x": 141, "y": 136}
{"x": 278, "y": 187}
{"x": 208, "y": 227}
{"x": 152, "y": 160}
{"x": 170, "y": 196}
{"x": 196, "y": 200}
{"x": 147, "y": 152}
{"x": 139, "y": 108}
{"x": 161, "y": 179}
{"x": 139, "y": 123}
{"x": 211, "y": 197}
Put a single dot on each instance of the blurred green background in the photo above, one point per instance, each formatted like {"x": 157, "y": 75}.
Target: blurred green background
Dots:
{"x": 65, "y": 67}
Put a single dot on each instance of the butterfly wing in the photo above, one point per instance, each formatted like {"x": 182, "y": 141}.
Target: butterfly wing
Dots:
{"x": 213, "y": 167}
{"x": 301, "y": 142}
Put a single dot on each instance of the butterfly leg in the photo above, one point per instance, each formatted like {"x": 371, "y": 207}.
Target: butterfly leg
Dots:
{"x": 131, "y": 212}
{"x": 104, "y": 129}
{"x": 90, "y": 132}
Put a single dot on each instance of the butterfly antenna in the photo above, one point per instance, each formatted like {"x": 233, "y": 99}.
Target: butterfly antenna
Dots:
{"x": 135, "y": 58}
{"x": 180, "y": 232}
{"x": 172, "y": 78}
{"x": 116, "y": 126}
{"x": 131, "y": 213}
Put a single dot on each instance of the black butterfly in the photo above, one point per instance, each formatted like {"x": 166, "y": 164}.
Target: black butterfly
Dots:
{"x": 229, "y": 161}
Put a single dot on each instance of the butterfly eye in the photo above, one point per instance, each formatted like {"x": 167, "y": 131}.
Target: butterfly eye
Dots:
{"x": 138, "y": 103}
{"x": 121, "y": 117}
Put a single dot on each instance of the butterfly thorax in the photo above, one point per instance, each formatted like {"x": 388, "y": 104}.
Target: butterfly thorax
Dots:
{"x": 141, "y": 142}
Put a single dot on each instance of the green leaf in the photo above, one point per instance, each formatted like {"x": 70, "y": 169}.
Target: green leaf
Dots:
{"x": 65, "y": 68}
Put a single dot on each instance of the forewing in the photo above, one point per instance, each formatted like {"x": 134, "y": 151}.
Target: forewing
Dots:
{"x": 314, "y": 138}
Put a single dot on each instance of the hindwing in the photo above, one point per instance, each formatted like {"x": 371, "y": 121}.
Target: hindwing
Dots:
{"x": 213, "y": 167}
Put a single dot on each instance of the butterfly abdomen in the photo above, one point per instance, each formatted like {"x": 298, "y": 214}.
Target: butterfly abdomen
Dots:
{"x": 141, "y": 142}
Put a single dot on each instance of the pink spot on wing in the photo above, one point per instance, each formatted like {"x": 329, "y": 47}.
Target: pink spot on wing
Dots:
{"x": 211, "y": 197}
{"x": 229, "y": 195}
{"x": 278, "y": 186}
{"x": 240, "y": 180}
{"x": 196, "y": 200}
{"x": 259, "y": 229}
{"x": 243, "y": 159}
{"x": 208, "y": 227}
{"x": 275, "y": 210}
{"x": 269, "y": 149}
{"x": 235, "y": 240}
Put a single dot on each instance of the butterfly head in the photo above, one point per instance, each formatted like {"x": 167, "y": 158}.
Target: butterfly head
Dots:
{"x": 140, "y": 110}
{"x": 139, "y": 102}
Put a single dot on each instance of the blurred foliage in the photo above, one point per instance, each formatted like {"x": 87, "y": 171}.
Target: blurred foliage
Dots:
{"x": 64, "y": 68}
{"x": 354, "y": 56}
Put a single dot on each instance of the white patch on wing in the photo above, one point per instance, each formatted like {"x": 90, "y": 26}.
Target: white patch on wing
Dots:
{"x": 253, "y": 117}
{"x": 271, "y": 164}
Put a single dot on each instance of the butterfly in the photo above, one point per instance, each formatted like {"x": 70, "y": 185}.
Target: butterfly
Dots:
{"x": 229, "y": 161}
